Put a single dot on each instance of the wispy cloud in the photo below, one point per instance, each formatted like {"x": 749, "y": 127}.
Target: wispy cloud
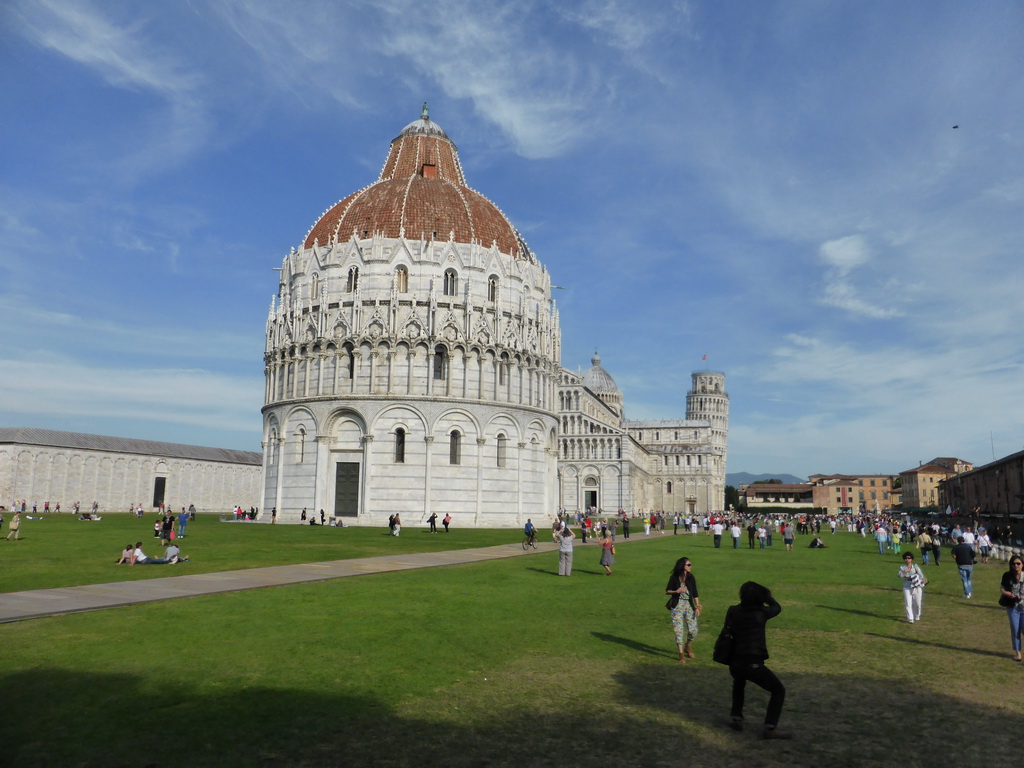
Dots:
{"x": 128, "y": 53}
{"x": 842, "y": 257}
{"x": 187, "y": 397}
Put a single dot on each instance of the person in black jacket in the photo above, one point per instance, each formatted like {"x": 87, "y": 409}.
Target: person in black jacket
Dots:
{"x": 747, "y": 621}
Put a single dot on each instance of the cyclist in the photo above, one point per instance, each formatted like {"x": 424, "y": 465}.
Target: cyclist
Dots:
{"x": 531, "y": 531}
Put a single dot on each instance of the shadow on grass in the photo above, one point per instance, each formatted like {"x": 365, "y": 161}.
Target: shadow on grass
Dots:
{"x": 549, "y": 571}
{"x": 857, "y": 612}
{"x": 943, "y": 646}
{"x": 118, "y": 720}
{"x": 634, "y": 645}
{"x": 826, "y": 713}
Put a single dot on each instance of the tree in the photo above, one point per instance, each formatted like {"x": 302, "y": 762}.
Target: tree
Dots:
{"x": 732, "y": 497}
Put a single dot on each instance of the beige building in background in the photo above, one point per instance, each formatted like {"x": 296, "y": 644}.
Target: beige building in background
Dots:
{"x": 852, "y": 493}
{"x": 921, "y": 484}
{"x": 44, "y": 465}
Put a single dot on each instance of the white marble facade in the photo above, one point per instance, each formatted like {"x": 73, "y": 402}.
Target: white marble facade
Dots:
{"x": 412, "y": 356}
{"x": 39, "y": 465}
{"x": 412, "y": 367}
{"x": 610, "y": 463}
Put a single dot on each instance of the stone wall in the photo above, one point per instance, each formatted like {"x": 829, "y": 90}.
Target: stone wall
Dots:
{"x": 116, "y": 481}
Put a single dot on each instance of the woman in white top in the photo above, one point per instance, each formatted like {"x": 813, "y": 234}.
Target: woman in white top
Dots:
{"x": 913, "y": 587}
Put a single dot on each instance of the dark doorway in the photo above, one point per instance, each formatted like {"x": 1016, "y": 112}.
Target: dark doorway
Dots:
{"x": 590, "y": 499}
{"x": 159, "y": 489}
{"x": 346, "y": 489}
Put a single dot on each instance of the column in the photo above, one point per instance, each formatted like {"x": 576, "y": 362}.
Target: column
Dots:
{"x": 519, "y": 483}
{"x": 365, "y": 500}
{"x": 427, "y": 472}
{"x": 480, "y": 441}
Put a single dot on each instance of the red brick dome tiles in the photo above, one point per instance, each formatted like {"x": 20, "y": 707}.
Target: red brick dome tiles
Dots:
{"x": 421, "y": 194}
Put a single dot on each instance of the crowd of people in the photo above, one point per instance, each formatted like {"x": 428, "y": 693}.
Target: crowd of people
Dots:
{"x": 743, "y": 632}
{"x": 966, "y": 543}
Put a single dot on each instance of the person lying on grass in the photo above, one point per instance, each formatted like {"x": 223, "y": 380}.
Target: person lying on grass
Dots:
{"x": 140, "y": 558}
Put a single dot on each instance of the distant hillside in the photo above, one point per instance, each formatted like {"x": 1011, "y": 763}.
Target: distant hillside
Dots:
{"x": 736, "y": 479}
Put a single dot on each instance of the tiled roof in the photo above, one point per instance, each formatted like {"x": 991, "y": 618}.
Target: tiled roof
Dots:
{"x": 931, "y": 469}
{"x": 421, "y": 194}
{"x": 779, "y": 488}
{"x": 56, "y": 439}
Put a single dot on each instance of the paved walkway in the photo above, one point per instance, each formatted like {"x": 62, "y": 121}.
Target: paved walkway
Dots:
{"x": 33, "y": 604}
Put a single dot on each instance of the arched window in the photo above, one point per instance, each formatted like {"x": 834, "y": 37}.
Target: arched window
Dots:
{"x": 451, "y": 282}
{"x": 350, "y": 361}
{"x": 300, "y": 446}
{"x": 314, "y": 287}
{"x": 668, "y": 487}
{"x": 353, "y": 279}
{"x": 455, "y": 447}
{"x": 502, "y": 448}
{"x": 492, "y": 288}
{"x": 440, "y": 363}
{"x": 399, "y": 446}
{"x": 402, "y": 280}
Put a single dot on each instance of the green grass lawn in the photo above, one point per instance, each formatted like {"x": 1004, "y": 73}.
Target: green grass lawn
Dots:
{"x": 61, "y": 551}
{"x": 505, "y": 664}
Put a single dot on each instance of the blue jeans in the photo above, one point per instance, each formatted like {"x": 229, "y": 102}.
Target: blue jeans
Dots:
{"x": 965, "y": 576}
{"x": 881, "y": 546}
{"x": 1016, "y": 626}
{"x": 735, "y": 542}
{"x": 924, "y": 555}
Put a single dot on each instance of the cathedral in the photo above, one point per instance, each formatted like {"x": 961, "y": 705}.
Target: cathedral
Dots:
{"x": 412, "y": 367}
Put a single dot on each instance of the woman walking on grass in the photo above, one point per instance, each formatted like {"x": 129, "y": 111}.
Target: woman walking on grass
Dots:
{"x": 607, "y": 552}
{"x": 1011, "y": 597}
{"x": 684, "y": 604}
{"x": 913, "y": 587}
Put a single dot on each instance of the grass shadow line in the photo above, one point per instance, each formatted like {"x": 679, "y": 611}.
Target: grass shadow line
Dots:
{"x": 915, "y": 641}
{"x": 634, "y": 645}
{"x": 858, "y": 613}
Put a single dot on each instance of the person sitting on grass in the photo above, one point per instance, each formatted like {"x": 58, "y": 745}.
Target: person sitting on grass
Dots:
{"x": 817, "y": 544}
{"x": 126, "y": 556}
{"x": 173, "y": 555}
{"x": 139, "y": 557}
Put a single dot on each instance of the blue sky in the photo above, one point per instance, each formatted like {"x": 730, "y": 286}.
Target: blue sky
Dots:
{"x": 776, "y": 185}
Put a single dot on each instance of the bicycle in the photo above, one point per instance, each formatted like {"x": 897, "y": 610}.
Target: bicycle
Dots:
{"x": 530, "y": 540}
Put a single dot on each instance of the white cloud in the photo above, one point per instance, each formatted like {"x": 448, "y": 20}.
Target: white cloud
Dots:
{"x": 122, "y": 54}
{"x": 846, "y": 253}
{"x": 843, "y": 256}
{"x": 63, "y": 388}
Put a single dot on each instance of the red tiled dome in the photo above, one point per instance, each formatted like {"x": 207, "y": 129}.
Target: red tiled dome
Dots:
{"x": 421, "y": 194}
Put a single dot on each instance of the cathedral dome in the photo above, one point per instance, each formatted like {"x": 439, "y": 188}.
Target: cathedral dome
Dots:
{"x": 598, "y": 380}
{"x": 421, "y": 195}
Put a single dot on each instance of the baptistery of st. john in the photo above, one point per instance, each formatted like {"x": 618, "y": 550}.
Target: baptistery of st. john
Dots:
{"x": 412, "y": 355}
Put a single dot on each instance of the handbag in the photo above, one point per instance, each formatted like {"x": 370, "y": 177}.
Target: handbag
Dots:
{"x": 722, "y": 653}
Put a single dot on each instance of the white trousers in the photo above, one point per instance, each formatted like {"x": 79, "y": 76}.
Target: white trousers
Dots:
{"x": 912, "y": 599}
